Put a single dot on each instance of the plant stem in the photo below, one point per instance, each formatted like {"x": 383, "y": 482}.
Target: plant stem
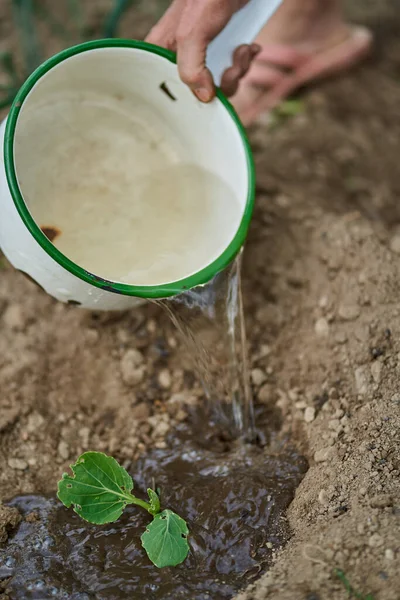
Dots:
{"x": 133, "y": 500}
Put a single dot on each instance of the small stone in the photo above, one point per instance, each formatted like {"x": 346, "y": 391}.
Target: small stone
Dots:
{"x": 309, "y": 414}
{"x": 323, "y": 455}
{"x": 160, "y": 430}
{"x": 301, "y": 404}
{"x": 349, "y": 312}
{"x": 13, "y": 317}
{"x": 334, "y": 424}
{"x": 323, "y": 497}
{"x": 361, "y": 379}
{"x": 181, "y": 415}
{"x": 165, "y": 379}
{"x": 18, "y": 464}
{"x": 92, "y": 336}
{"x": 35, "y": 421}
{"x": 340, "y": 337}
{"x": 376, "y": 369}
{"x": 389, "y": 554}
{"x": 84, "y": 434}
{"x": 294, "y": 395}
{"x": 141, "y": 411}
{"x": 264, "y": 393}
{"x": 132, "y": 369}
{"x": 381, "y": 501}
{"x": 395, "y": 243}
{"x": 395, "y": 399}
{"x": 322, "y": 327}
{"x": 160, "y": 445}
{"x": 375, "y": 541}
{"x": 323, "y": 302}
{"x": 258, "y": 377}
{"x": 63, "y": 450}
{"x": 269, "y": 545}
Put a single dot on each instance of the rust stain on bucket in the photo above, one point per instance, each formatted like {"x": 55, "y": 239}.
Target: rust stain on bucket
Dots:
{"x": 51, "y": 232}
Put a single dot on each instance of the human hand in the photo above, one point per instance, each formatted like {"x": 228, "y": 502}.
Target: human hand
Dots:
{"x": 187, "y": 28}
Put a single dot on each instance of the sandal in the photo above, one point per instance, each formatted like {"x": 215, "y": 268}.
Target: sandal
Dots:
{"x": 279, "y": 70}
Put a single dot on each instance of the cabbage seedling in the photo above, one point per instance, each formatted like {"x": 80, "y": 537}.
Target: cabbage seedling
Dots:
{"x": 99, "y": 490}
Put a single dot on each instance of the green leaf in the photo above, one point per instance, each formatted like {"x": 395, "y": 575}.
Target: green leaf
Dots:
{"x": 99, "y": 488}
{"x": 165, "y": 539}
{"x": 155, "y": 506}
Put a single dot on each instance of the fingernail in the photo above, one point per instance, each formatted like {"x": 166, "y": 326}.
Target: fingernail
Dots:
{"x": 203, "y": 94}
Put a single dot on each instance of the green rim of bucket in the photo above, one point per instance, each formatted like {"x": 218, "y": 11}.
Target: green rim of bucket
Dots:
{"x": 153, "y": 291}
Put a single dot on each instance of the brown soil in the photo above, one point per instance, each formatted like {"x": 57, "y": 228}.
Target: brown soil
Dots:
{"x": 321, "y": 286}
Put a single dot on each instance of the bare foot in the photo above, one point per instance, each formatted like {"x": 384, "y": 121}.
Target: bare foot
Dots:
{"x": 304, "y": 41}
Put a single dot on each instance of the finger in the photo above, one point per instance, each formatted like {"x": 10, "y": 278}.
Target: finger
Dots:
{"x": 201, "y": 22}
{"x": 164, "y": 32}
{"x": 242, "y": 59}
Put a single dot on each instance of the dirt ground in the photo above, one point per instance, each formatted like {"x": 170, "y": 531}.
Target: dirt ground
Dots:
{"x": 321, "y": 287}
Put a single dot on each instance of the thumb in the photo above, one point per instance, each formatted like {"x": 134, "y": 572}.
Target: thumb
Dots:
{"x": 192, "y": 67}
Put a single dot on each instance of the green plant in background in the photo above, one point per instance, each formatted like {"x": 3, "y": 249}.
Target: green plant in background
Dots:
{"x": 285, "y": 111}
{"x": 349, "y": 588}
{"x": 100, "y": 489}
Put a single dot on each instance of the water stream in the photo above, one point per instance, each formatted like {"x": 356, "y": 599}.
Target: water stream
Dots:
{"x": 210, "y": 318}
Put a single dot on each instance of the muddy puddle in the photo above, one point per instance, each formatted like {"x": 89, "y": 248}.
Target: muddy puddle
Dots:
{"x": 234, "y": 500}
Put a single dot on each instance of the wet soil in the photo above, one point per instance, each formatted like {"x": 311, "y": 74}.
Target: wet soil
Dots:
{"x": 234, "y": 499}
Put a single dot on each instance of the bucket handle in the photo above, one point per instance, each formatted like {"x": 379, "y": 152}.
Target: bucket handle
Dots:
{"x": 243, "y": 28}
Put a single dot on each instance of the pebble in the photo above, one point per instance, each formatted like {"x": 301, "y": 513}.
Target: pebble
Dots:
{"x": 92, "y": 336}
{"x": 301, "y": 404}
{"x": 264, "y": 394}
{"x": 340, "y": 337}
{"x": 63, "y": 450}
{"x": 349, "y": 312}
{"x": 381, "y": 501}
{"x": 141, "y": 411}
{"x": 322, "y": 327}
{"x": 361, "y": 379}
{"x": 323, "y": 497}
{"x": 375, "y": 541}
{"x": 309, "y": 414}
{"x": 258, "y": 377}
{"x": 160, "y": 430}
{"x": 323, "y": 454}
{"x": 389, "y": 554}
{"x": 396, "y": 399}
{"x": 395, "y": 244}
{"x": 14, "y": 317}
{"x": 35, "y": 421}
{"x": 269, "y": 545}
{"x": 84, "y": 434}
{"x": 181, "y": 415}
{"x": 18, "y": 464}
{"x": 165, "y": 379}
{"x": 323, "y": 302}
{"x": 376, "y": 369}
{"x": 334, "y": 424}
{"x": 132, "y": 369}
